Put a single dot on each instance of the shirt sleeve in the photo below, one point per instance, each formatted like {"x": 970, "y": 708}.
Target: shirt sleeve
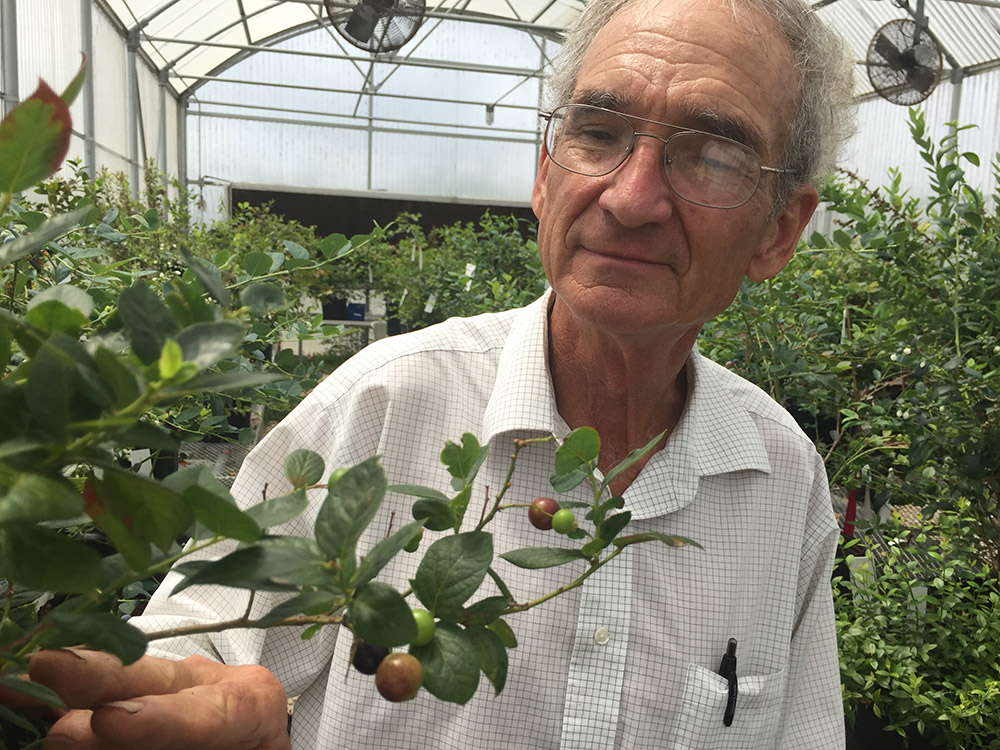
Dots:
{"x": 814, "y": 712}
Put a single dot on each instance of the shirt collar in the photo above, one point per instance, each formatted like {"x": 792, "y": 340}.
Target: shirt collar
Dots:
{"x": 715, "y": 435}
{"x": 523, "y": 399}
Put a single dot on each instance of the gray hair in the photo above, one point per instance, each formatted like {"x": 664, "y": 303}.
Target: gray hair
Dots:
{"x": 824, "y": 118}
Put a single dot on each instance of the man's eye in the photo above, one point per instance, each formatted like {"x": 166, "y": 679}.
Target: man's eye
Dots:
{"x": 596, "y": 135}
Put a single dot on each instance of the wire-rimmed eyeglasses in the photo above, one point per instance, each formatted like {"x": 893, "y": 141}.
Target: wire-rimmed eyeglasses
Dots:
{"x": 702, "y": 168}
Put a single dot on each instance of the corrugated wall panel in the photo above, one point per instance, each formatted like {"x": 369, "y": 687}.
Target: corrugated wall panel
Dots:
{"x": 473, "y": 170}
{"x": 49, "y": 46}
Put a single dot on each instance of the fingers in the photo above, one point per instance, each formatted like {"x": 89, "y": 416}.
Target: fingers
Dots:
{"x": 241, "y": 714}
{"x": 85, "y": 679}
{"x": 157, "y": 704}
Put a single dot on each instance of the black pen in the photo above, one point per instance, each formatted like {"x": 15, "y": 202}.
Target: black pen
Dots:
{"x": 727, "y": 669}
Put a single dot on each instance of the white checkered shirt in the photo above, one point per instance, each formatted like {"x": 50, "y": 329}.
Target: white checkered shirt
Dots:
{"x": 630, "y": 659}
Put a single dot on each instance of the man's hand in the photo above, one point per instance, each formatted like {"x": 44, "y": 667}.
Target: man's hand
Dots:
{"x": 156, "y": 704}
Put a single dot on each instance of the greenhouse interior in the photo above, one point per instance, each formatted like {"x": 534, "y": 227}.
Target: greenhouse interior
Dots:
{"x": 209, "y": 206}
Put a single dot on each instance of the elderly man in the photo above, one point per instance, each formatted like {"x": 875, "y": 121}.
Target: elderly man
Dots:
{"x": 680, "y": 157}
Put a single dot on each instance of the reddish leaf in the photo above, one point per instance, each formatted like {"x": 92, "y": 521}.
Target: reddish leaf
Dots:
{"x": 34, "y": 139}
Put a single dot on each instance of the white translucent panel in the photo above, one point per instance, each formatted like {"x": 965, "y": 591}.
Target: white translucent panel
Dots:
{"x": 473, "y": 170}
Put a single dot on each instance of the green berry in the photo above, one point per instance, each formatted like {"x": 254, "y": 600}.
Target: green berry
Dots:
{"x": 425, "y": 627}
{"x": 414, "y": 544}
{"x": 563, "y": 521}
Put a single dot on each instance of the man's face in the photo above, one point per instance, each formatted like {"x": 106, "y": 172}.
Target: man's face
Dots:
{"x": 622, "y": 251}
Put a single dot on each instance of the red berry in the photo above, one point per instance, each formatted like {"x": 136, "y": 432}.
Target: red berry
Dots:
{"x": 541, "y": 511}
{"x": 399, "y": 677}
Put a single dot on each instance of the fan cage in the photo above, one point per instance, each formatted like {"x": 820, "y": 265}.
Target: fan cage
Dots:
{"x": 890, "y": 78}
{"x": 376, "y": 26}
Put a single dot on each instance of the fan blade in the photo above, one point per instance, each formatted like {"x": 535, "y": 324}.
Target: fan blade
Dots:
{"x": 361, "y": 24}
{"x": 889, "y": 52}
{"x": 921, "y": 78}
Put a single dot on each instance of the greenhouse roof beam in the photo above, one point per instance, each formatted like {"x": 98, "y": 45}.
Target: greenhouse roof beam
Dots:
{"x": 553, "y": 32}
{"x": 366, "y": 118}
{"x": 328, "y": 90}
{"x": 443, "y": 64}
{"x": 342, "y": 126}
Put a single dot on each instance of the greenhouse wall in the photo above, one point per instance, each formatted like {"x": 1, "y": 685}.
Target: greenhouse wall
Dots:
{"x": 50, "y": 38}
{"x": 883, "y": 139}
{"x": 425, "y": 133}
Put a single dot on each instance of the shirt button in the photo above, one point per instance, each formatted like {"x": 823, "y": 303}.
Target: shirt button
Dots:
{"x": 602, "y": 635}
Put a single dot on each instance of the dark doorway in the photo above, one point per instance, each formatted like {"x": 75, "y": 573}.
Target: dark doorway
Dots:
{"x": 350, "y": 215}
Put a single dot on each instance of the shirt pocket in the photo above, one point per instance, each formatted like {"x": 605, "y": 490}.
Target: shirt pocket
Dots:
{"x": 755, "y": 726}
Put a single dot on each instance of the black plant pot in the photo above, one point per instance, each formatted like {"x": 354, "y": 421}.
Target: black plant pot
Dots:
{"x": 868, "y": 733}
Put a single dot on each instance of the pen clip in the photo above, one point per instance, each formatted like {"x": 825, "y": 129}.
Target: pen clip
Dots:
{"x": 727, "y": 669}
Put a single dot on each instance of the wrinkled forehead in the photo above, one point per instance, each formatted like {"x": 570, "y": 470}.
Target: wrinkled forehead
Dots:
{"x": 696, "y": 59}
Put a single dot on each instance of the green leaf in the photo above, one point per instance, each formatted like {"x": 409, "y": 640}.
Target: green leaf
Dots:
{"x": 50, "y": 230}
{"x": 257, "y": 264}
{"x": 842, "y": 238}
{"x": 380, "y": 555}
{"x": 492, "y": 656}
{"x": 133, "y": 510}
{"x": 295, "y": 249}
{"x": 148, "y": 321}
{"x": 306, "y": 603}
{"x": 171, "y": 359}
{"x": 580, "y": 448}
{"x": 60, "y": 308}
{"x": 45, "y": 560}
{"x": 463, "y": 461}
{"x": 220, "y": 514}
{"x": 505, "y": 632}
{"x": 209, "y": 276}
{"x": 459, "y": 504}
{"x": 33, "y": 497}
{"x": 335, "y": 246}
{"x": 97, "y": 630}
{"x": 261, "y": 298}
{"x": 146, "y": 435}
{"x": 669, "y": 539}
{"x": 436, "y": 514}
{"x": 278, "y": 510}
{"x": 450, "y": 663}
{"x": 451, "y": 571}
{"x": 817, "y": 240}
{"x": 630, "y": 459}
{"x": 17, "y": 446}
{"x": 119, "y": 375}
{"x": 207, "y": 343}
{"x": 273, "y": 564}
{"x": 70, "y": 92}
{"x": 34, "y": 690}
{"x": 613, "y": 526}
{"x": 570, "y": 481}
{"x": 34, "y": 139}
{"x": 380, "y": 616}
{"x": 350, "y": 505}
{"x": 541, "y": 557}
{"x": 220, "y": 382}
{"x": 485, "y": 610}
{"x": 303, "y": 468}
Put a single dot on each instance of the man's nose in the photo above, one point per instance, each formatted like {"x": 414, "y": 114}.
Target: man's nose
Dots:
{"x": 637, "y": 192}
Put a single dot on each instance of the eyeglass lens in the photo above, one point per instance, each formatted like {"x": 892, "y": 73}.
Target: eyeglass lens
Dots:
{"x": 701, "y": 168}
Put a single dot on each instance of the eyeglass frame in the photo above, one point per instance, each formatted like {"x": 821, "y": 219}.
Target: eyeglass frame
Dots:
{"x": 762, "y": 168}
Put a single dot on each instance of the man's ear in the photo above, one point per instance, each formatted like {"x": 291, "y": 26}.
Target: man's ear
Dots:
{"x": 538, "y": 191}
{"x": 779, "y": 246}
